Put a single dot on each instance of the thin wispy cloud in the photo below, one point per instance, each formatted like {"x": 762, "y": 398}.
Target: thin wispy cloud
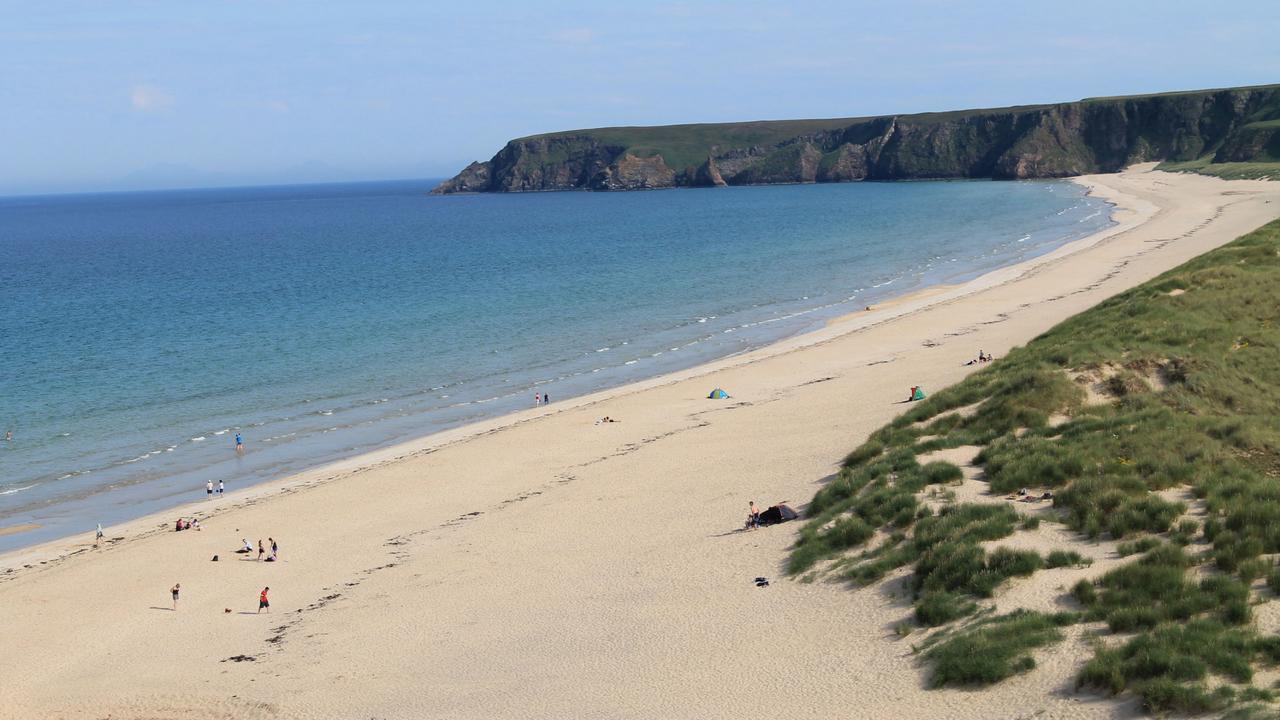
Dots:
{"x": 575, "y": 36}
{"x": 149, "y": 98}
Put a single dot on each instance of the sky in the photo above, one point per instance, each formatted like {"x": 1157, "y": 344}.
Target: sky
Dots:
{"x": 133, "y": 94}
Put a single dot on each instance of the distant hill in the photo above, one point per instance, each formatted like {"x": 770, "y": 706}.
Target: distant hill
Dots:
{"x": 1201, "y": 129}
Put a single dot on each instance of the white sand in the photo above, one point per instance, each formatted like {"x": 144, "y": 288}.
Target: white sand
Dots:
{"x": 542, "y": 566}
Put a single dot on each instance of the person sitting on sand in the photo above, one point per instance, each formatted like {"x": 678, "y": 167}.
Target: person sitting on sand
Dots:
{"x": 177, "y": 525}
{"x": 247, "y": 547}
{"x": 194, "y": 524}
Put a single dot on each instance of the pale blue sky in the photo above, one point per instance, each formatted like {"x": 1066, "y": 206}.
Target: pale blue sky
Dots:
{"x": 130, "y": 93}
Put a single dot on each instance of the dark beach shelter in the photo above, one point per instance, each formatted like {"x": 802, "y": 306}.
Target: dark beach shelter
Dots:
{"x": 779, "y": 513}
{"x": 718, "y": 394}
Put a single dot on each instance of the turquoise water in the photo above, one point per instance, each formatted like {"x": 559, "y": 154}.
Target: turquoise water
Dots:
{"x": 140, "y": 332}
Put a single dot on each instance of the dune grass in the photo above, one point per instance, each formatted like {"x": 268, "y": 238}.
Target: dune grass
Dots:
{"x": 1191, "y": 389}
{"x": 994, "y": 649}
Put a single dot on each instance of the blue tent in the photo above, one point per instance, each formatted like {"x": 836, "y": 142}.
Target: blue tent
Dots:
{"x": 718, "y": 394}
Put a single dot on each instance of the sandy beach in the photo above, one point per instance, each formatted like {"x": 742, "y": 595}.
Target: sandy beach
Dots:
{"x": 542, "y": 565}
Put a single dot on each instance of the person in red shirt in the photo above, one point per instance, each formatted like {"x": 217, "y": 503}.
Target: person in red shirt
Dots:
{"x": 262, "y": 600}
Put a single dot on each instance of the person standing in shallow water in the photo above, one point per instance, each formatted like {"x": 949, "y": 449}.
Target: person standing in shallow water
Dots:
{"x": 239, "y": 443}
{"x": 208, "y": 490}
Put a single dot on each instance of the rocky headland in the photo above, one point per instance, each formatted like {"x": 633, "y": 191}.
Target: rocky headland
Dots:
{"x": 1098, "y": 135}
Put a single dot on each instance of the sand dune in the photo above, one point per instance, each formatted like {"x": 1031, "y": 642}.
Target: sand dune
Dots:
{"x": 541, "y": 565}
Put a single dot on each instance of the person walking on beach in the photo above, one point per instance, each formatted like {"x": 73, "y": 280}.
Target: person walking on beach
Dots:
{"x": 98, "y": 537}
{"x": 260, "y": 550}
{"x": 262, "y": 600}
{"x": 274, "y": 548}
{"x": 546, "y": 398}
{"x": 537, "y": 399}
{"x": 208, "y": 490}
{"x": 174, "y": 591}
{"x": 239, "y": 443}
{"x": 221, "y": 487}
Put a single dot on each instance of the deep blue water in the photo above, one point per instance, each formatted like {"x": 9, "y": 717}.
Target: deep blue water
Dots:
{"x": 139, "y": 332}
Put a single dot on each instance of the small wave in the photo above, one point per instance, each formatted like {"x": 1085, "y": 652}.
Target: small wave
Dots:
{"x": 1024, "y": 238}
{"x": 221, "y": 432}
{"x": 11, "y": 491}
{"x": 631, "y": 362}
{"x": 601, "y": 349}
{"x": 197, "y": 439}
{"x": 326, "y": 412}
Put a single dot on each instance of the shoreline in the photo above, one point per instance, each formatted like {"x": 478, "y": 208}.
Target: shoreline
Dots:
{"x": 888, "y": 309}
{"x": 66, "y": 481}
{"x": 540, "y": 565}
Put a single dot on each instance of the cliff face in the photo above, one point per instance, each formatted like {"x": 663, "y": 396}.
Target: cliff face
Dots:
{"x": 1103, "y": 135}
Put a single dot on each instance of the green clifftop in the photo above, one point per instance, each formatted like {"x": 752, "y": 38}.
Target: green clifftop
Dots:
{"x": 1238, "y": 125}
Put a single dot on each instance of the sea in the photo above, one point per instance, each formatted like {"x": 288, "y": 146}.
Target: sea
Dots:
{"x": 141, "y": 332}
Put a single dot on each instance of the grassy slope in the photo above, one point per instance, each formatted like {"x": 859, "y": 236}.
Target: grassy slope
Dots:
{"x": 1226, "y": 171}
{"x": 1194, "y": 402}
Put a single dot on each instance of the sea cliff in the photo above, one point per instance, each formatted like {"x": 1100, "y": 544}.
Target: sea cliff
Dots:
{"x": 1238, "y": 125}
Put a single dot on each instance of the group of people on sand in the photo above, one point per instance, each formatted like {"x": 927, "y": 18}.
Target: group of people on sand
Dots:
{"x": 1027, "y": 496}
{"x": 264, "y": 602}
{"x": 208, "y": 489}
{"x": 182, "y": 524}
{"x": 607, "y": 419}
{"x": 247, "y": 549}
{"x": 983, "y": 357}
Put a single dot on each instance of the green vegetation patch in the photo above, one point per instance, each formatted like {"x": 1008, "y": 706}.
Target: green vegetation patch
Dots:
{"x": 1226, "y": 170}
{"x": 994, "y": 649}
{"x": 1190, "y": 386}
{"x": 1169, "y": 665}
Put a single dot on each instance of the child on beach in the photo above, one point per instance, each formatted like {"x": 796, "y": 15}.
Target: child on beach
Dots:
{"x": 260, "y": 550}
{"x": 753, "y": 515}
{"x": 98, "y": 537}
{"x": 220, "y": 488}
{"x": 174, "y": 591}
{"x": 262, "y": 600}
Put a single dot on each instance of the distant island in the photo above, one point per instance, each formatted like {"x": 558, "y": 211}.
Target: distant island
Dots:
{"x": 1231, "y": 132}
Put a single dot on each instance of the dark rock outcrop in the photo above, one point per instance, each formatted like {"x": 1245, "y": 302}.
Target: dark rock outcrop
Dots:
{"x": 1045, "y": 141}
